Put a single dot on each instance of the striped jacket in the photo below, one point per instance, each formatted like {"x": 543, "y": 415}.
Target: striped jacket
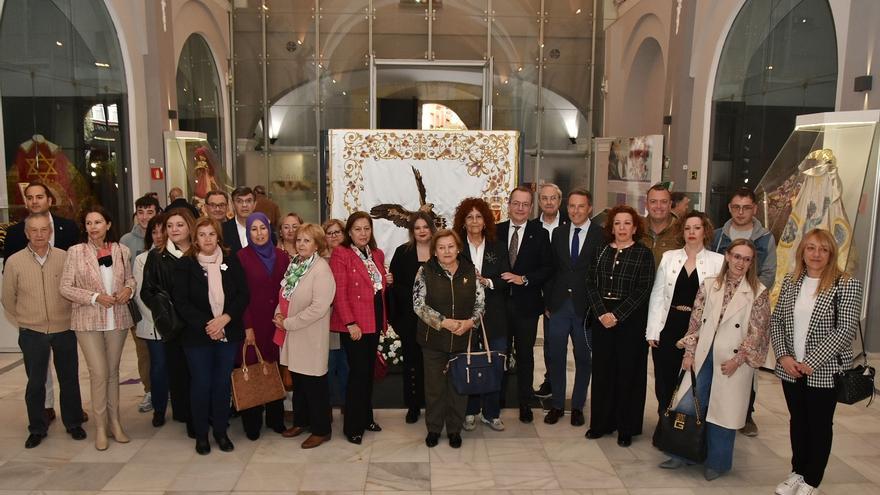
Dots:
{"x": 829, "y": 347}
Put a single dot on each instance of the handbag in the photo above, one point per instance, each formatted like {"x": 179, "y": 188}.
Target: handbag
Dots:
{"x": 256, "y": 384}
{"x": 477, "y": 373}
{"x": 857, "y": 383}
{"x": 681, "y": 434}
{"x": 169, "y": 325}
{"x": 133, "y": 309}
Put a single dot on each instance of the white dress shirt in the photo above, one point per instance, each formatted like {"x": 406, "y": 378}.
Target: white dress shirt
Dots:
{"x": 551, "y": 226}
{"x": 242, "y": 234}
{"x": 582, "y": 235}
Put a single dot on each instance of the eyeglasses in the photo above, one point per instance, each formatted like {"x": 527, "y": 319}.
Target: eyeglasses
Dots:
{"x": 741, "y": 208}
{"x": 334, "y": 233}
{"x": 744, "y": 259}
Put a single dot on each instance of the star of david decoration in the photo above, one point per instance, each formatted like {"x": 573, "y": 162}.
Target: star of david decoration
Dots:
{"x": 34, "y": 167}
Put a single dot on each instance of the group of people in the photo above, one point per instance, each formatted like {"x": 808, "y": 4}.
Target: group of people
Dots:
{"x": 316, "y": 299}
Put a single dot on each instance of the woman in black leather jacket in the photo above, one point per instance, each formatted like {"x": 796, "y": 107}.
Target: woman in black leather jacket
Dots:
{"x": 156, "y": 294}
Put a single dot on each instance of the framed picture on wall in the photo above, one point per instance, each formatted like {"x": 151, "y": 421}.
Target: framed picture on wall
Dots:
{"x": 624, "y": 168}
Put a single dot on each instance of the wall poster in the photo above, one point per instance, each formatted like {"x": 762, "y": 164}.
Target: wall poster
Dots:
{"x": 623, "y": 170}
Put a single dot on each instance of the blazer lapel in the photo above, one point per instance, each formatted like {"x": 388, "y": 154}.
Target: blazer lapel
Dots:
{"x": 91, "y": 261}
{"x": 739, "y": 300}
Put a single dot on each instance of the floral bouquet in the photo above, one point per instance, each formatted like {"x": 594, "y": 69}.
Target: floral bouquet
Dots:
{"x": 390, "y": 348}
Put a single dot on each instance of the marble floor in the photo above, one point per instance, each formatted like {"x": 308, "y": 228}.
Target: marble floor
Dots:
{"x": 533, "y": 458}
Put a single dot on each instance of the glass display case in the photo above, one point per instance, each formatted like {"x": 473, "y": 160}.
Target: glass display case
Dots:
{"x": 825, "y": 176}
{"x": 192, "y": 165}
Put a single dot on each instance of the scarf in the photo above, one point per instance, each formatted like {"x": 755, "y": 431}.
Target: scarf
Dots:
{"x": 295, "y": 272}
{"x": 265, "y": 253}
{"x": 211, "y": 264}
{"x": 372, "y": 270}
{"x": 172, "y": 249}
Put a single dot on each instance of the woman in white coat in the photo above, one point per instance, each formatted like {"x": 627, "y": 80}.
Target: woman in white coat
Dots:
{"x": 678, "y": 278}
{"x": 726, "y": 340}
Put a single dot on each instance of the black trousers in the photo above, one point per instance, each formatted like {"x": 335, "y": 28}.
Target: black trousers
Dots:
{"x": 252, "y": 419}
{"x": 361, "y": 356}
{"x": 413, "y": 372}
{"x": 523, "y": 332}
{"x": 178, "y": 381}
{"x": 811, "y": 428}
{"x": 35, "y": 348}
{"x": 311, "y": 403}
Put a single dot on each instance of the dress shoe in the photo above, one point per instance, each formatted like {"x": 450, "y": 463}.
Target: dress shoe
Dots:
{"x": 577, "y": 417}
{"x": 750, "y": 429}
{"x": 553, "y": 416}
{"x": 279, "y": 429}
{"x": 224, "y": 443}
{"x": 293, "y": 432}
{"x": 85, "y": 417}
{"x": 455, "y": 440}
{"x": 190, "y": 430}
{"x": 710, "y": 474}
{"x": 544, "y": 391}
{"x": 158, "y": 418}
{"x": 412, "y": 415}
{"x": 432, "y": 439}
{"x": 593, "y": 434}
{"x": 526, "y": 415}
{"x": 77, "y": 433}
{"x": 355, "y": 439}
{"x": 253, "y": 436}
{"x": 101, "y": 442}
{"x": 49, "y": 412}
{"x": 374, "y": 426}
{"x": 203, "y": 447}
{"x": 624, "y": 440}
{"x": 118, "y": 433}
{"x": 314, "y": 441}
{"x": 33, "y": 440}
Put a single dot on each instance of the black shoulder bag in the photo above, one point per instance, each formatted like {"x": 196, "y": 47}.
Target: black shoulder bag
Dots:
{"x": 857, "y": 383}
{"x": 682, "y": 434}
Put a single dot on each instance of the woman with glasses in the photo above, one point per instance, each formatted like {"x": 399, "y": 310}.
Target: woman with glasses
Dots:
{"x": 287, "y": 241}
{"x": 334, "y": 229}
{"x": 727, "y": 339}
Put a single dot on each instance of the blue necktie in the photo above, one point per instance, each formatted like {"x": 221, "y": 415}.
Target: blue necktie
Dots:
{"x": 575, "y": 245}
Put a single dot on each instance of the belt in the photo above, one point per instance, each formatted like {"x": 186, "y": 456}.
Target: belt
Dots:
{"x": 685, "y": 309}
{"x": 613, "y": 298}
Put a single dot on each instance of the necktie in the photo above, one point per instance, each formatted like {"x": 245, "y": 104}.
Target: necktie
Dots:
{"x": 514, "y": 245}
{"x": 575, "y": 245}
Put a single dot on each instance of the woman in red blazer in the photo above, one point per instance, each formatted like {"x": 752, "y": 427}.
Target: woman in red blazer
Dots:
{"x": 359, "y": 314}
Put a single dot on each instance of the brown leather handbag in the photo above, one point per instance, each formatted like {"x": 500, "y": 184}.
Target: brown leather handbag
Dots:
{"x": 256, "y": 384}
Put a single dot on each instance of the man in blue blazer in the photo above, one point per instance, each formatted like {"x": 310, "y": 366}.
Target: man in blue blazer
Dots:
{"x": 527, "y": 247}
{"x": 574, "y": 248}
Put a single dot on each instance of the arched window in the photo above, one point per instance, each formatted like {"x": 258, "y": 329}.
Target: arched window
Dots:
{"x": 198, "y": 92}
{"x": 779, "y": 61}
{"x": 63, "y": 89}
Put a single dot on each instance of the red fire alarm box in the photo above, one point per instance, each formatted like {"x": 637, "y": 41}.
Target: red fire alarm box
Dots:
{"x": 157, "y": 173}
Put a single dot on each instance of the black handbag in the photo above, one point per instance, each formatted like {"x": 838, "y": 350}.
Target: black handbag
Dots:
{"x": 857, "y": 383}
{"x": 681, "y": 434}
{"x": 133, "y": 309}
{"x": 476, "y": 373}
{"x": 167, "y": 322}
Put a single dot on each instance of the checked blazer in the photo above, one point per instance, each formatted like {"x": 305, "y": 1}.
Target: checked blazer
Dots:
{"x": 825, "y": 341}
{"x": 354, "y": 302}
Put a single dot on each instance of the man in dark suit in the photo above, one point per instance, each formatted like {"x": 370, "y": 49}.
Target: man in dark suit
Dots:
{"x": 243, "y": 202}
{"x": 552, "y": 216}
{"x": 527, "y": 246}
{"x": 574, "y": 248}
{"x": 39, "y": 199}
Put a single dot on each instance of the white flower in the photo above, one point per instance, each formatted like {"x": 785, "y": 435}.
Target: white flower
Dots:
{"x": 223, "y": 266}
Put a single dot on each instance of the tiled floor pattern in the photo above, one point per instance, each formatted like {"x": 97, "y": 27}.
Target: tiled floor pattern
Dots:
{"x": 524, "y": 459}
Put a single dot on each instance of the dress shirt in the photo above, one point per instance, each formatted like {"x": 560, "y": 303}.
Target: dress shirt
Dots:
{"x": 582, "y": 235}
{"x": 242, "y": 234}
{"x": 477, "y": 259}
{"x": 803, "y": 312}
{"x": 521, "y": 231}
{"x": 549, "y": 227}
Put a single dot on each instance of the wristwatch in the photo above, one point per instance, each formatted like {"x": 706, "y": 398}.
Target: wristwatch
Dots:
{"x": 525, "y": 280}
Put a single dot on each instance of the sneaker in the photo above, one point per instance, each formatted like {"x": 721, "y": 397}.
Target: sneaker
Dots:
{"x": 805, "y": 489}
{"x": 790, "y": 485}
{"x": 146, "y": 405}
{"x": 496, "y": 424}
{"x": 750, "y": 429}
{"x": 470, "y": 423}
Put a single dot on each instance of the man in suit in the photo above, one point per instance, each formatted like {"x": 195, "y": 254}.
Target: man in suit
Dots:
{"x": 552, "y": 216}
{"x": 243, "y": 202}
{"x": 527, "y": 246}
{"x": 217, "y": 204}
{"x": 574, "y": 248}
{"x": 38, "y": 199}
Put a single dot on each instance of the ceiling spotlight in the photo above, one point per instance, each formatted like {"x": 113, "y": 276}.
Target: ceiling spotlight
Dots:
{"x": 59, "y": 43}
{"x": 769, "y": 67}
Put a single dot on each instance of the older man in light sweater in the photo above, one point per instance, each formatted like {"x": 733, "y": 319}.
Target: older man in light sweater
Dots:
{"x": 33, "y": 302}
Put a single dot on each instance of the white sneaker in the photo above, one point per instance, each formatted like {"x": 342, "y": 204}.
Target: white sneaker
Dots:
{"x": 805, "y": 489}
{"x": 470, "y": 423}
{"x": 146, "y": 404}
{"x": 496, "y": 424}
{"x": 790, "y": 485}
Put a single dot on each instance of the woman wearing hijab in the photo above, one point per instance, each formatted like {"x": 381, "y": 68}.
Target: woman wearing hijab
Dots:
{"x": 264, "y": 266}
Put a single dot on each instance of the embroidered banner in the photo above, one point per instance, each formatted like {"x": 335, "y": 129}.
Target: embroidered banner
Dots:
{"x": 392, "y": 173}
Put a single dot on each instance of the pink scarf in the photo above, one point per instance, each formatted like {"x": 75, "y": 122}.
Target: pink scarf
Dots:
{"x": 212, "y": 265}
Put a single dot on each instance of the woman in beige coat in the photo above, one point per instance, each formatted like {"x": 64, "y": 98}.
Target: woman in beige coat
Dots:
{"x": 307, "y": 292}
{"x": 98, "y": 280}
{"x": 727, "y": 339}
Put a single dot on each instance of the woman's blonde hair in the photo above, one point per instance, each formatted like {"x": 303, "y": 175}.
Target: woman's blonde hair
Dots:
{"x": 831, "y": 272}
{"x": 194, "y": 248}
{"x": 317, "y": 234}
{"x": 751, "y": 275}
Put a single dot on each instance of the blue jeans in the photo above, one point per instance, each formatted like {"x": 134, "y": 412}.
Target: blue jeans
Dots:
{"x": 337, "y": 375}
{"x": 158, "y": 375}
{"x": 489, "y": 403}
{"x": 565, "y": 323}
{"x": 210, "y": 369}
{"x": 719, "y": 440}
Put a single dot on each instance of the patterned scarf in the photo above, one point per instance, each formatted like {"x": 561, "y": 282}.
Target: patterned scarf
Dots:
{"x": 375, "y": 275}
{"x": 295, "y": 271}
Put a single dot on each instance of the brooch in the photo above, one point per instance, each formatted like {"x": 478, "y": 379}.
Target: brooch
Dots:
{"x": 223, "y": 267}
{"x": 490, "y": 258}
{"x": 465, "y": 280}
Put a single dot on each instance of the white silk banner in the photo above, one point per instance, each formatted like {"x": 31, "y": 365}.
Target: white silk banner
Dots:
{"x": 393, "y": 173}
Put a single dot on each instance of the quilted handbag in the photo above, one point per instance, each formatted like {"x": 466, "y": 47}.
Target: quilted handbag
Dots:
{"x": 476, "y": 373}
{"x": 256, "y": 384}
{"x": 857, "y": 383}
{"x": 681, "y": 434}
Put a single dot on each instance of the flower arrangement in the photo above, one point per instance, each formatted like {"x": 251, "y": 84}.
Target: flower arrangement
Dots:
{"x": 390, "y": 347}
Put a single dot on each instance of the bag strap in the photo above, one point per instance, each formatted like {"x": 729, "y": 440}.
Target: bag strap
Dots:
{"x": 693, "y": 393}
{"x": 244, "y": 365}
{"x": 485, "y": 342}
